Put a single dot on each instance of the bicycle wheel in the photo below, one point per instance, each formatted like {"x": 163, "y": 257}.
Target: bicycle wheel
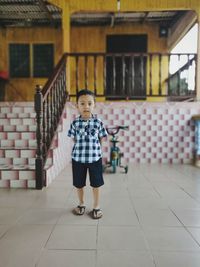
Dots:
{"x": 114, "y": 167}
{"x": 126, "y": 169}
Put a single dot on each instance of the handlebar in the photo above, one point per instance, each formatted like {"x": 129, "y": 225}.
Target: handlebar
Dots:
{"x": 114, "y": 130}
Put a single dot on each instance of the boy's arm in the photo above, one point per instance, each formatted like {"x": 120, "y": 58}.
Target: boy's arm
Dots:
{"x": 71, "y": 132}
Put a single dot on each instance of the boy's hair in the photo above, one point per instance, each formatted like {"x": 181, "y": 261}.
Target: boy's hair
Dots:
{"x": 84, "y": 92}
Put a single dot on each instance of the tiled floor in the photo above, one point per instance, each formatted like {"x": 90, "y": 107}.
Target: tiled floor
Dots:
{"x": 151, "y": 219}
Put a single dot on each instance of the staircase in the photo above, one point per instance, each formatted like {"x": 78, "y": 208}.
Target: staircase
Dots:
{"x": 18, "y": 147}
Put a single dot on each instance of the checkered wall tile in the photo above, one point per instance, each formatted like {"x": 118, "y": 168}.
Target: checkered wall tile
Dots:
{"x": 158, "y": 132}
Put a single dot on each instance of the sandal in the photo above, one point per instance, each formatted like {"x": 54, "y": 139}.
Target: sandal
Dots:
{"x": 97, "y": 213}
{"x": 79, "y": 210}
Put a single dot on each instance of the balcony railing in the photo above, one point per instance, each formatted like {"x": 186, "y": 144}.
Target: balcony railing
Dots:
{"x": 133, "y": 76}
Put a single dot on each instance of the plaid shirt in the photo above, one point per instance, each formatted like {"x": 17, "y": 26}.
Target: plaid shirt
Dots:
{"x": 87, "y": 134}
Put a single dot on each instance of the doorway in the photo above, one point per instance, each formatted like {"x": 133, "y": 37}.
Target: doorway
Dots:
{"x": 126, "y": 76}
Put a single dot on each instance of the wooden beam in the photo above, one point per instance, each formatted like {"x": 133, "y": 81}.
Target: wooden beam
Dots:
{"x": 180, "y": 28}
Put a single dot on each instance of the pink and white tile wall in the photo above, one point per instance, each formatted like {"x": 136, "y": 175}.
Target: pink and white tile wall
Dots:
{"x": 158, "y": 132}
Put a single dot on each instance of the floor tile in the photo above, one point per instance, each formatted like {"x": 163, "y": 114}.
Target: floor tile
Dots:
{"x": 195, "y": 233}
{"x": 67, "y": 258}
{"x": 160, "y": 217}
{"x": 11, "y": 215}
{"x": 68, "y": 218}
{"x": 177, "y": 259}
{"x": 170, "y": 239}
{"x": 22, "y": 244}
{"x": 41, "y": 216}
{"x": 73, "y": 237}
{"x": 118, "y": 211}
{"x": 125, "y": 258}
{"x": 189, "y": 217}
{"x": 149, "y": 203}
{"x": 110, "y": 238}
{"x": 179, "y": 203}
{"x": 150, "y": 219}
{"x": 3, "y": 229}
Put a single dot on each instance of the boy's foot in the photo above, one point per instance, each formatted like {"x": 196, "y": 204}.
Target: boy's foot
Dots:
{"x": 79, "y": 210}
{"x": 97, "y": 213}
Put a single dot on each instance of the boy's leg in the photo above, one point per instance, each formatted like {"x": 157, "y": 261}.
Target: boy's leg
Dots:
{"x": 96, "y": 212}
{"x": 79, "y": 180}
{"x": 80, "y": 193}
{"x": 80, "y": 209}
{"x": 96, "y": 181}
{"x": 96, "y": 197}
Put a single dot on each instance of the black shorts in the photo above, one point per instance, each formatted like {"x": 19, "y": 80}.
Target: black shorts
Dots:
{"x": 79, "y": 171}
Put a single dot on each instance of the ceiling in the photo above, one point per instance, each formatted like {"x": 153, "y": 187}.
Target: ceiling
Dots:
{"x": 29, "y": 13}
{"x": 41, "y": 13}
{"x": 165, "y": 18}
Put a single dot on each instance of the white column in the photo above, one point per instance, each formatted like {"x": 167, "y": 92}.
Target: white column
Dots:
{"x": 198, "y": 64}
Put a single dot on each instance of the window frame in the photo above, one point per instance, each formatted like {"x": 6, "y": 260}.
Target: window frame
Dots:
{"x": 31, "y": 60}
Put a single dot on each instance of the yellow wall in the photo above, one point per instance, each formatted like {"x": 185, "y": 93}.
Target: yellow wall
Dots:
{"x": 24, "y": 89}
{"x": 93, "y": 39}
{"x": 129, "y": 5}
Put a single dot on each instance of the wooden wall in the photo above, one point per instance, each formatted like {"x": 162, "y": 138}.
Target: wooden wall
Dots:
{"x": 23, "y": 89}
{"x": 93, "y": 39}
{"x": 83, "y": 39}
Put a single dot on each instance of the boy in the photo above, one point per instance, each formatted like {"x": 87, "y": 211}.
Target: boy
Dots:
{"x": 87, "y": 131}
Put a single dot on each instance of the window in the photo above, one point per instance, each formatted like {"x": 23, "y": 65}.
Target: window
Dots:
{"x": 42, "y": 60}
{"x": 27, "y": 60}
{"x": 19, "y": 60}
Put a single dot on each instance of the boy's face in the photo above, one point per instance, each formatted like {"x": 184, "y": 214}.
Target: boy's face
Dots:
{"x": 85, "y": 106}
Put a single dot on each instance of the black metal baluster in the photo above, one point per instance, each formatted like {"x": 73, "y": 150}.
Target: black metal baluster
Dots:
{"x": 104, "y": 75}
{"x": 114, "y": 75}
{"x": 95, "y": 75}
{"x": 63, "y": 86}
{"x": 77, "y": 73}
{"x": 54, "y": 106}
{"x": 160, "y": 74}
{"x": 39, "y": 157}
{"x": 59, "y": 95}
{"x": 142, "y": 74}
{"x": 48, "y": 122}
{"x": 150, "y": 76}
{"x": 51, "y": 114}
{"x": 132, "y": 75}
{"x": 86, "y": 72}
{"x": 44, "y": 148}
{"x": 123, "y": 76}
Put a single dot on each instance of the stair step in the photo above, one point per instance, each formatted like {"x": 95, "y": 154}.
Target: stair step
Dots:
{"x": 18, "y": 128}
{"x": 23, "y": 161}
{"x": 17, "y": 174}
{"x": 17, "y": 115}
{"x": 17, "y": 153}
{"x": 17, "y": 121}
{"x": 10, "y": 135}
{"x": 17, "y": 184}
{"x": 18, "y": 146}
{"x": 17, "y": 167}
